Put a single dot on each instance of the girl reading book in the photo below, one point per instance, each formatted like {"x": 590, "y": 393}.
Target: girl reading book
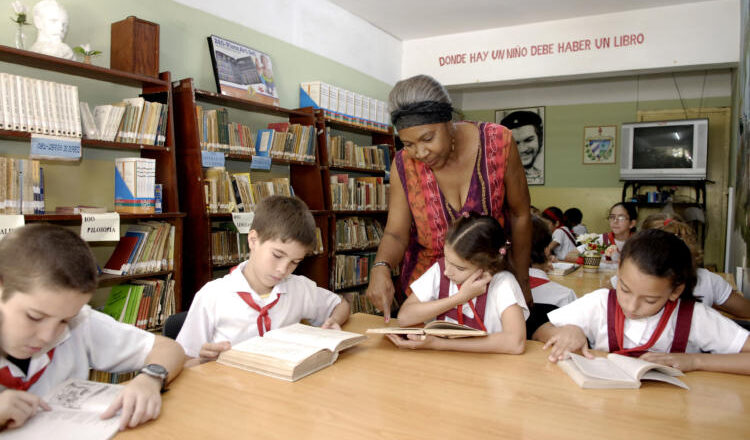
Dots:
{"x": 652, "y": 314}
{"x": 470, "y": 285}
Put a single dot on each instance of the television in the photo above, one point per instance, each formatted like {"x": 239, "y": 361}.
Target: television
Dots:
{"x": 665, "y": 150}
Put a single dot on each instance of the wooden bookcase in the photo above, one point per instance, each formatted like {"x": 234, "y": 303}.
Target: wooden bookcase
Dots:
{"x": 151, "y": 88}
{"x": 305, "y": 179}
{"x": 376, "y": 137}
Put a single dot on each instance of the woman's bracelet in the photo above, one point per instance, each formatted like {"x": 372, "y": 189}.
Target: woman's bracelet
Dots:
{"x": 382, "y": 263}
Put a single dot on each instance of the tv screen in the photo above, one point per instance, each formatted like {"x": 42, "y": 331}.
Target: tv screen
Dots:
{"x": 663, "y": 147}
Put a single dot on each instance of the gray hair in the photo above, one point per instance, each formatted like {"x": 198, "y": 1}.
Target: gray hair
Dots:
{"x": 416, "y": 89}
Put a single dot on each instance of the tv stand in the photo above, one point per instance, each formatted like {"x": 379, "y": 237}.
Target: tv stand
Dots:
{"x": 667, "y": 189}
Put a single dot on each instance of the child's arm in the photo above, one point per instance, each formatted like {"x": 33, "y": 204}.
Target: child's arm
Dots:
{"x": 18, "y": 406}
{"x": 140, "y": 401}
{"x": 339, "y": 316}
{"x": 562, "y": 340}
{"x": 413, "y": 311}
{"x": 511, "y": 340}
{"x": 737, "y": 363}
{"x": 736, "y": 305}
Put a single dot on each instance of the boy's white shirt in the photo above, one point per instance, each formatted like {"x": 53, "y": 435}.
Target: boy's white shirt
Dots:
{"x": 92, "y": 340}
{"x": 709, "y": 330}
{"x": 502, "y": 293}
{"x": 710, "y": 287}
{"x": 219, "y": 314}
{"x": 565, "y": 244}
{"x": 551, "y": 292}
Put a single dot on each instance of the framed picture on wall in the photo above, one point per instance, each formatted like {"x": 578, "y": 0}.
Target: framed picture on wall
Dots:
{"x": 599, "y": 144}
{"x": 242, "y": 72}
{"x": 527, "y": 125}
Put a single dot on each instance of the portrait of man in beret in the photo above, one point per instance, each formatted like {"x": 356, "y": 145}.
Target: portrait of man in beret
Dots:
{"x": 528, "y": 132}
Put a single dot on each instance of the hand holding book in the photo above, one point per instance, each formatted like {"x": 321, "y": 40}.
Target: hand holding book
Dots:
{"x": 567, "y": 339}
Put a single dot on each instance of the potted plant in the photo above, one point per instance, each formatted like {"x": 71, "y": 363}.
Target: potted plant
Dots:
{"x": 86, "y": 51}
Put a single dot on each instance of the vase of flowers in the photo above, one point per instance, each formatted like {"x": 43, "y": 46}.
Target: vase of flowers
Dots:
{"x": 20, "y": 19}
{"x": 86, "y": 51}
{"x": 592, "y": 254}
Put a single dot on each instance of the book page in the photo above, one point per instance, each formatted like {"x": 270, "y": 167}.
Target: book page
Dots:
{"x": 600, "y": 368}
{"x": 636, "y": 367}
{"x": 83, "y": 395}
{"x": 447, "y": 325}
{"x": 280, "y": 349}
{"x": 396, "y": 331}
{"x": 328, "y": 339}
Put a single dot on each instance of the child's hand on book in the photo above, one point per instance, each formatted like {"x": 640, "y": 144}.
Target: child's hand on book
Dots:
{"x": 332, "y": 324}
{"x": 18, "y": 406}
{"x": 140, "y": 402}
{"x": 567, "y": 339}
{"x": 211, "y": 350}
{"x": 682, "y": 361}
{"x": 475, "y": 285}
{"x": 413, "y": 342}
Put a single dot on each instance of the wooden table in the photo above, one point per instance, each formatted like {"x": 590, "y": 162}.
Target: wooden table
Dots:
{"x": 376, "y": 391}
{"x": 583, "y": 282}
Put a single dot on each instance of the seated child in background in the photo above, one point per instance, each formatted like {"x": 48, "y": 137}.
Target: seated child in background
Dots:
{"x": 472, "y": 286}
{"x": 652, "y": 314}
{"x": 622, "y": 220}
{"x": 563, "y": 244}
{"x": 711, "y": 288}
{"x": 574, "y": 217}
{"x": 548, "y": 295}
{"x": 50, "y": 334}
{"x": 262, "y": 290}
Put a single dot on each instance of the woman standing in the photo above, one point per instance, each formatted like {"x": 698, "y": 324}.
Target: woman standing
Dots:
{"x": 446, "y": 170}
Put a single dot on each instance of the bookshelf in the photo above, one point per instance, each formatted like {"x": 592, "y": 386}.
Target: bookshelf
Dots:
{"x": 368, "y": 136}
{"x": 305, "y": 181}
{"x": 77, "y": 185}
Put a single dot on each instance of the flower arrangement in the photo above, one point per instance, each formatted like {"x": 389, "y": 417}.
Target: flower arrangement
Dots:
{"x": 21, "y": 13}
{"x": 593, "y": 246}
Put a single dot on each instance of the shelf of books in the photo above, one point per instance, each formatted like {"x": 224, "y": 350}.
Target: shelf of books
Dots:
{"x": 62, "y": 158}
{"x": 231, "y": 154}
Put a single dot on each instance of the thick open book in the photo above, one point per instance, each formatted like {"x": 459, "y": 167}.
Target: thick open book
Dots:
{"x": 290, "y": 353}
{"x": 77, "y": 405}
{"x": 617, "y": 371}
{"x": 444, "y": 329}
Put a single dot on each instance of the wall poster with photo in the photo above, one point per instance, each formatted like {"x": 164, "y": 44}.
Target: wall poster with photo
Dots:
{"x": 242, "y": 72}
{"x": 527, "y": 125}
{"x": 599, "y": 144}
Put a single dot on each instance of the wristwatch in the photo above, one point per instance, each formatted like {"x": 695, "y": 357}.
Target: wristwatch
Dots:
{"x": 157, "y": 371}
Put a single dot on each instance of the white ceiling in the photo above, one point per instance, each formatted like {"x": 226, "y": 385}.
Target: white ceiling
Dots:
{"x": 411, "y": 19}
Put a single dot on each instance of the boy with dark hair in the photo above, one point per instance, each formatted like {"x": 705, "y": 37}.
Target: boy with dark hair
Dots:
{"x": 50, "y": 334}
{"x": 262, "y": 290}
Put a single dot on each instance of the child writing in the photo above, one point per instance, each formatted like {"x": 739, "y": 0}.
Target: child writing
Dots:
{"x": 622, "y": 220}
{"x": 472, "y": 286}
{"x": 711, "y": 288}
{"x": 652, "y": 314}
{"x": 262, "y": 294}
{"x": 50, "y": 334}
{"x": 563, "y": 244}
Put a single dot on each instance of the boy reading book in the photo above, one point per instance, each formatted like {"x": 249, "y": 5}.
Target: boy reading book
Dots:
{"x": 262, "y": 294}
{"x": 50, "y": 334}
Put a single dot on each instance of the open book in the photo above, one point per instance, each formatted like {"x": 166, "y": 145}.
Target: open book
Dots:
{"x": 77, "y": 405}
{"x": 561, "y": 268}
{"x": 617, "y": 371}
{"x": 444, "y": 329}
{"x": 291, "y": 352}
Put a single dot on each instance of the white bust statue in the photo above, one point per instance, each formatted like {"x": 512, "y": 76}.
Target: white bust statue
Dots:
{"x": 51, "y": 22}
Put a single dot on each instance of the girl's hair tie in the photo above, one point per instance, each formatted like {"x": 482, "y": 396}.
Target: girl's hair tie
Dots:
{"x": 465, "y": 214}
{"x": 503, "y": 250}
{"x": 667, "y": 221}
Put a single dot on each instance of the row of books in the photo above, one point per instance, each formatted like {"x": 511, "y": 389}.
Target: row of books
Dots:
{"x": 145, "y": 303}
{"x": 133, "y": 120}
{"x": 360, "y": 303}
{"x": 146, "y": 247}
{"x": 21, "y": 186}
{"x": 344, "y": 105}
{"x": 37, "y": 106}
{"x": 225, "y": 192}
{"x": 357, "y": 233}
{"x": 348, "y": 154}
{"x": 229, "y": 247}
{"x": 351, "y": 270}
{"x": 359, "y": 193}
{"x": 280, "y": 140}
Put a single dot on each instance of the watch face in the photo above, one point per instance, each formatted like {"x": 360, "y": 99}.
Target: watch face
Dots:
{"x": 156, "y": 370}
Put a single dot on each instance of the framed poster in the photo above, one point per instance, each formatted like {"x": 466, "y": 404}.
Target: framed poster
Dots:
{"x": 599, "y": 144}
{"x": 242, "y": 72}
{"x": 527, "y": 125}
